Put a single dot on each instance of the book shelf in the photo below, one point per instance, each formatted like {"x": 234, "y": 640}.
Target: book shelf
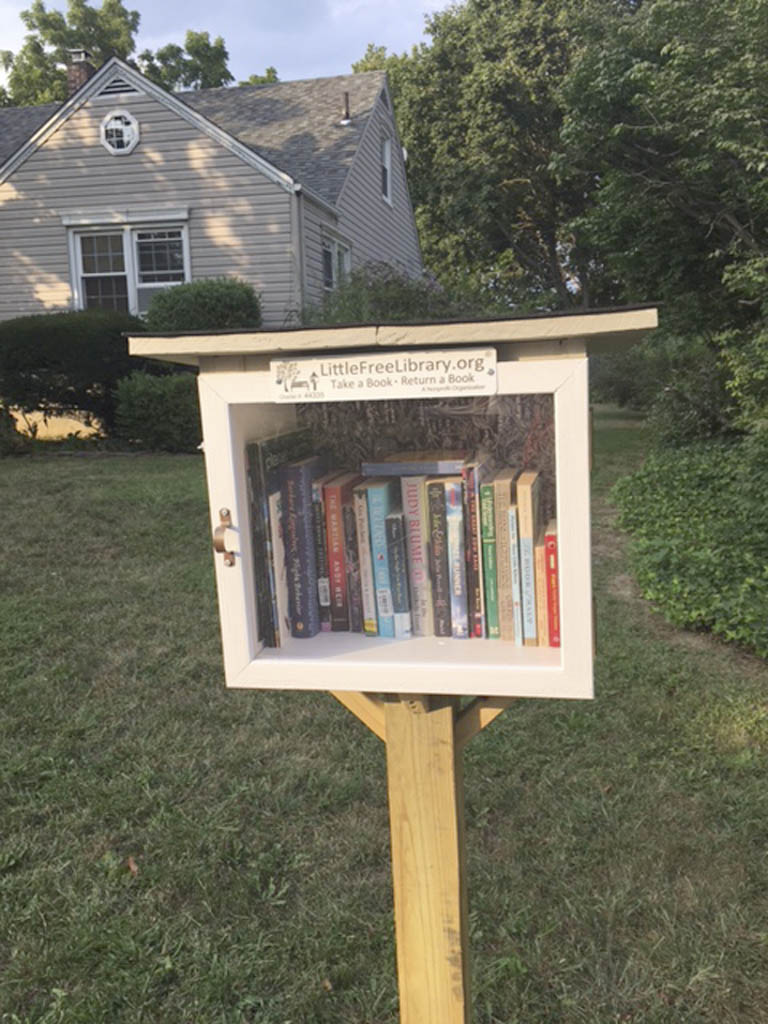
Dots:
{"x": 536, "y": 417}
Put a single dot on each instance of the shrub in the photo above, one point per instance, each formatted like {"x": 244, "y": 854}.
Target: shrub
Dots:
{"x": 211, "y": 304}
{"x": 12, "y": 442}
{"x": 66, "y": 362}
{"x": 379, "y": 293}
{"x": 159, "y": 413}
{"x": 699, "y": 522}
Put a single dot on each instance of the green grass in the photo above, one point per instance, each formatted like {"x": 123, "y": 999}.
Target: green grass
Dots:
{"x": 172, "y": 852}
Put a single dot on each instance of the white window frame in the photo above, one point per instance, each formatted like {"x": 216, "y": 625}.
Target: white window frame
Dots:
{"x": 386, "y": 166}
{"x": 341, "y": 259}
{"x": 129, "y": 234}
{"x": 134, "y": 125}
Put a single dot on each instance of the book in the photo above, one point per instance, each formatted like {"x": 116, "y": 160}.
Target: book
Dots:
{"x": 382, "y": 496}
{"x": 263, "y": 460}
{"x": 488, "y": 544}
{"x": 553, "y": 583}
{"x": 367, "y": 583}
{"x": 282, "y": 615}
{"x": 514, "y": 561}
{"x": 398, "y": 573}
{"x": 418, "y": 463}
{"x": 416, "y": 521}
{"x": 528, "y": 488}
{"x": 540, "y": 572}
{"x": 352, "y": 564}
{"x": 337, "y": 493}
{"x": 474, "y": 472}
{"x": 321, "y": 549}
{"x": 503, "y": 483}
{"x": 457, "y": 565}
{"x": 298, "y": 536}
{"x": 438, "y": 557}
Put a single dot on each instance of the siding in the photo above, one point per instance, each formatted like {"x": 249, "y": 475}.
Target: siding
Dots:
{"x": 316, "y": 223}
{"x": 376, "y": 229}
{"x": 239, "y": 221}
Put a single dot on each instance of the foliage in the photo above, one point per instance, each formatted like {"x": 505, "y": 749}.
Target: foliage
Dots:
{"x": 158, "y": 413}
{"x": 268, "y": 78}
{"x": 12, "y": 441}
{"x": 379, "y": 293}
{"x": 746, "y": 359}
{"x": 208, "y": 304}
{"x": 66, "y": 362}
{"x": 699, "y": 520}
{"x": 199, "y": 64}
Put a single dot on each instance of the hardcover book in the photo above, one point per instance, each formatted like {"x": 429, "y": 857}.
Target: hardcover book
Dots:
{"x": 514, "y": 561}
{"x": 421, "y": 463}
{"x": 398, "y": 573}
{"x": 298, "y": 535}
{"x": 367, "y": 582}
{"x": 457, "y": 565}
{"x": 438, "y": 557}
{"x": 488, "y": 539}
{"x": 416, "y": 521}
{"x": 263, "y": 461}
{"x": 321, "y": 549}
{"x": 337, "y": 493}
{"x": 502, "y": 497}
{"x": 528, "y": 487}
{"x": 352, "y": 565}
{"x": 475, "y": 472}
{"x": 540, "y": 570}
{"x": 382, "y": 496}
{"x": 553, "y": 583}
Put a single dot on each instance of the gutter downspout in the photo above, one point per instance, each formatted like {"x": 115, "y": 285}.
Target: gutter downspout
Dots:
{"x": 299, "y": 249}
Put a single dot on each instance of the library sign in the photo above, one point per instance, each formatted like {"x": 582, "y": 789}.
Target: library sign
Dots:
{"x": 383, "y": 375}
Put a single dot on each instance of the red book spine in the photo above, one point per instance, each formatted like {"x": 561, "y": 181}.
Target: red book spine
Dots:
{"x": 337, "y": 565}
{"x": 553, "y": 588}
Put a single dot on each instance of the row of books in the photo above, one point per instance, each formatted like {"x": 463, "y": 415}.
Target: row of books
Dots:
{"x": 417, "y": 544}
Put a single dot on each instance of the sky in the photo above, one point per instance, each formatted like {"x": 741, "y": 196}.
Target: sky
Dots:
{"x": 301, "y": 38}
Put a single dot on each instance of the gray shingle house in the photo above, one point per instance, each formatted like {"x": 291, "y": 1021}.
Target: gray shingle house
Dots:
{"x": 125, "y": 189}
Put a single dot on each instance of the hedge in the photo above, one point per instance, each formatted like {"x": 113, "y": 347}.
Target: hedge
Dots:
{"x": 207, "y": 305}
{"x": 159, "y": 413}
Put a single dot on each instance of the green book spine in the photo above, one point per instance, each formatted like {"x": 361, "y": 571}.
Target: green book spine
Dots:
{"x": 490, "y": 577}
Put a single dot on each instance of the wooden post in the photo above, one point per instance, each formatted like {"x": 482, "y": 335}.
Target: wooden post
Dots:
{"x": 426, "y": 809}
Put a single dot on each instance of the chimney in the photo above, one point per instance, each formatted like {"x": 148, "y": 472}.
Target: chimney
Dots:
{"x": 79, "y": 69}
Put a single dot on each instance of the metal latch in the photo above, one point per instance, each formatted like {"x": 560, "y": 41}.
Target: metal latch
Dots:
{"x": 225, "y": 521}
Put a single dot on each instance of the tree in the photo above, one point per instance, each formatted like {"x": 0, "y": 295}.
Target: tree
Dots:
{"x": 268, "y": 78}
{"x": 200, "y": 64}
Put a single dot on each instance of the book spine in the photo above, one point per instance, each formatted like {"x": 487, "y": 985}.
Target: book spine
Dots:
{"x": 540, "y": 568}
{"x": 439, "y": 570}
{"x": 488, "y": 538}
{"x": 367, "y": 585}
{"x": 417, "y": 546}
{"x": 457, "y": 565}
{"x": 339, "y": 611}
{"x": 352, "y": 559}
{"x": 258, "y": 501}
{"x": 473, "y": 549}
{"x": 503, "y": 563}
{"x": 553, "y": 590}
{"x": 398, "y": 574}
{"x": 321, "y": 556}
{"x": 281, "y": 614}
{"x": 528, "y": 588}
{"x": 298, "y": 534}
{"x": 378, "y": 507}
{"x": 514, "y": 560}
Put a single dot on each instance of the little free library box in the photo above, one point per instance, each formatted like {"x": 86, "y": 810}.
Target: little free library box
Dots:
{"x": 403, "y": 508}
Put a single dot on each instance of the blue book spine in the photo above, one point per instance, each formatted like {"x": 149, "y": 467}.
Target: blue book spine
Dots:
{"x": 528, "y": 587}
{"x": 298, "y": 533}
{"x": 457, "y": 566}
{"x": 381, "y": 499}
{"x": 514, "y": 558}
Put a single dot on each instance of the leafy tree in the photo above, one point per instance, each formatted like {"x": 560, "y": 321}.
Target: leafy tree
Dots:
{"x": 268, "y": 78}
{"x": 200, "y": 64}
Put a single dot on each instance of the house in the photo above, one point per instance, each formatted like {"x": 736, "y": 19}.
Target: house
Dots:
{"x": 125, "y": 189}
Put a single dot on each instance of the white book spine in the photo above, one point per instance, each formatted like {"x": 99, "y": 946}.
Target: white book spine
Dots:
{"x": 282, "y": 614}
{"x": 367, "y": 584}
{"x": 514, "y": 560}
{"x": 416, "y": 540}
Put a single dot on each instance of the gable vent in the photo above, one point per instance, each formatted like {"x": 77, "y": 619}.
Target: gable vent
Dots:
{"x": 119, "y": 86}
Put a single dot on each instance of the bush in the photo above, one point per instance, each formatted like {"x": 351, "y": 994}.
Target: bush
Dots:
{"x": 66, "y": 363}
{"x": 208, "y": 305}
{"x": 378, "y": 293}
{"x": 12, "y": 442}
{"x": 159, "y": 413}
{"x": 699, "y": 521}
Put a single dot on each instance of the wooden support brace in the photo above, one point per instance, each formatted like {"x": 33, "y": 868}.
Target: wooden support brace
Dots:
{"x": 370, "y": 710}
{"x": 479, "y": 713}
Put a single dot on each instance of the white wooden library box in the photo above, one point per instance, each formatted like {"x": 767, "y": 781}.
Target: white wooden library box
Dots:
{"x": 244, "y": 397}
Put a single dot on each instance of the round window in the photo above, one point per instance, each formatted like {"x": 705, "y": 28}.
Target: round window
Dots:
{"x": 119, "y": 132}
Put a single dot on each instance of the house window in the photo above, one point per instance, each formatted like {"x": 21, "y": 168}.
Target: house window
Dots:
{"x": 119, "y": 132}
{"x": 336, "y": 263}
{"x": 386, "y": 168}
{"x": 122, "y": 269}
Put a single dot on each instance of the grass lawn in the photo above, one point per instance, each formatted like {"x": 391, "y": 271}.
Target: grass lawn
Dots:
{"x": 174, "y": 853}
